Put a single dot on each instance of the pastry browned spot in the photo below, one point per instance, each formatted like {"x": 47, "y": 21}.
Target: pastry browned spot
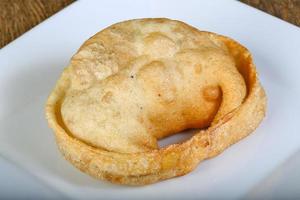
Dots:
{"x": 211, "y": 93}
{"x": 198, "y": 68}
{"x": 107, "y": 97}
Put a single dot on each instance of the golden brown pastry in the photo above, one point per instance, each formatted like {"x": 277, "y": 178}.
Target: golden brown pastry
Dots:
{"x": 141, "y": 80}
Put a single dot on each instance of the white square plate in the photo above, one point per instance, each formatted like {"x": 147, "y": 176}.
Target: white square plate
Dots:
{"x": 30, "y": 66}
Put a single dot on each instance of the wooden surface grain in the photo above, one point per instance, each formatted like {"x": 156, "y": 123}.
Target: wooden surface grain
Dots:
{"x": 18, "y": 16}
{"x": 288, "y": 10}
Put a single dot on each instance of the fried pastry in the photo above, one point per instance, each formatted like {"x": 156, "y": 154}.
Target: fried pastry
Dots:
{"x": 141, "y": 80}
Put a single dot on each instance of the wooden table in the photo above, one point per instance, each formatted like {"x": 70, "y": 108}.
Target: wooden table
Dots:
{"x": 18, "y": 16}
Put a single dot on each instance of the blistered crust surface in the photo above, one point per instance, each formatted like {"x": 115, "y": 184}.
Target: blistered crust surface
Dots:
{"x": 140, "y": 80}
{"x": 133, "y": 79}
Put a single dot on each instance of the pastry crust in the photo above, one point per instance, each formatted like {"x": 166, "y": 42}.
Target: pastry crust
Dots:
{"x": 182, "y": 78}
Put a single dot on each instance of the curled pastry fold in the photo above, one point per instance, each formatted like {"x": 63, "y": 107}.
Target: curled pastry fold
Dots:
{"x": 141, "y": 80}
